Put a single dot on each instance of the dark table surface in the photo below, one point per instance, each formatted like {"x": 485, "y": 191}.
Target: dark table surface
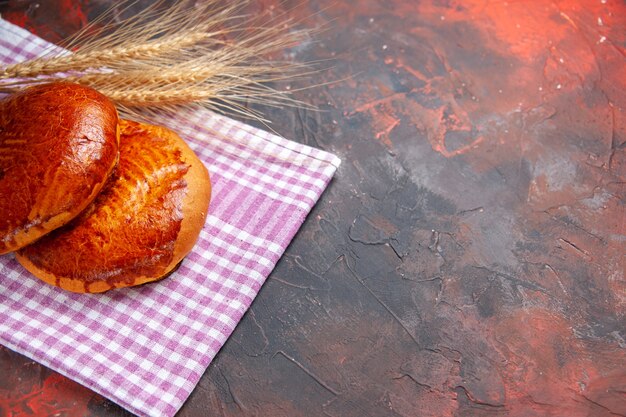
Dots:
{"x": 467, "y": 259}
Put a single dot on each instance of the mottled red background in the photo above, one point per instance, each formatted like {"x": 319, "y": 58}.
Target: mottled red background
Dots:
{"x": 469, "y": 257}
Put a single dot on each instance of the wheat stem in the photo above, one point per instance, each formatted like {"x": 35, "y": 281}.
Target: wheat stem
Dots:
{"x": 204, "y": 55}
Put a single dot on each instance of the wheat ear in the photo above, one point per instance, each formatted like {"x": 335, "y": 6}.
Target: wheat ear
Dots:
{"x": 187, "y": 54}
{"x": 163, "y": 60}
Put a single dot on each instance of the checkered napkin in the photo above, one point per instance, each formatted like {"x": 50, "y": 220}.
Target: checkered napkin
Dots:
{"x": 145, "y": 348}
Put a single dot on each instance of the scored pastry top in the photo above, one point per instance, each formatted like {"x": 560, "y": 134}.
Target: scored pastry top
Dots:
{"x": 144, "y": 221}
{"x": 58, "y": 145}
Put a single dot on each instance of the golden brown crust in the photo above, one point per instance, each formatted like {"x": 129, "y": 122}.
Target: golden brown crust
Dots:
{"x": 58, "y": 145}
{"x": 195, "y": 207}
{"x": 144, "y": 222}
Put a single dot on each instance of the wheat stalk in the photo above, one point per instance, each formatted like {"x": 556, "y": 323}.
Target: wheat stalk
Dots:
{"x": 159, "y": 63}
{"x": 205, "y": 55}
{"x": 110, "y": 57}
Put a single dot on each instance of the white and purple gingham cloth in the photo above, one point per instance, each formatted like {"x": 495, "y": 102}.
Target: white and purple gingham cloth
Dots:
{"x": 145, "y": 348}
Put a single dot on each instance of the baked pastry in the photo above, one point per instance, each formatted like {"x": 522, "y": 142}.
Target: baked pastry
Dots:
{"x": 142, "y": 224}
{"x": 58, "y": 146}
